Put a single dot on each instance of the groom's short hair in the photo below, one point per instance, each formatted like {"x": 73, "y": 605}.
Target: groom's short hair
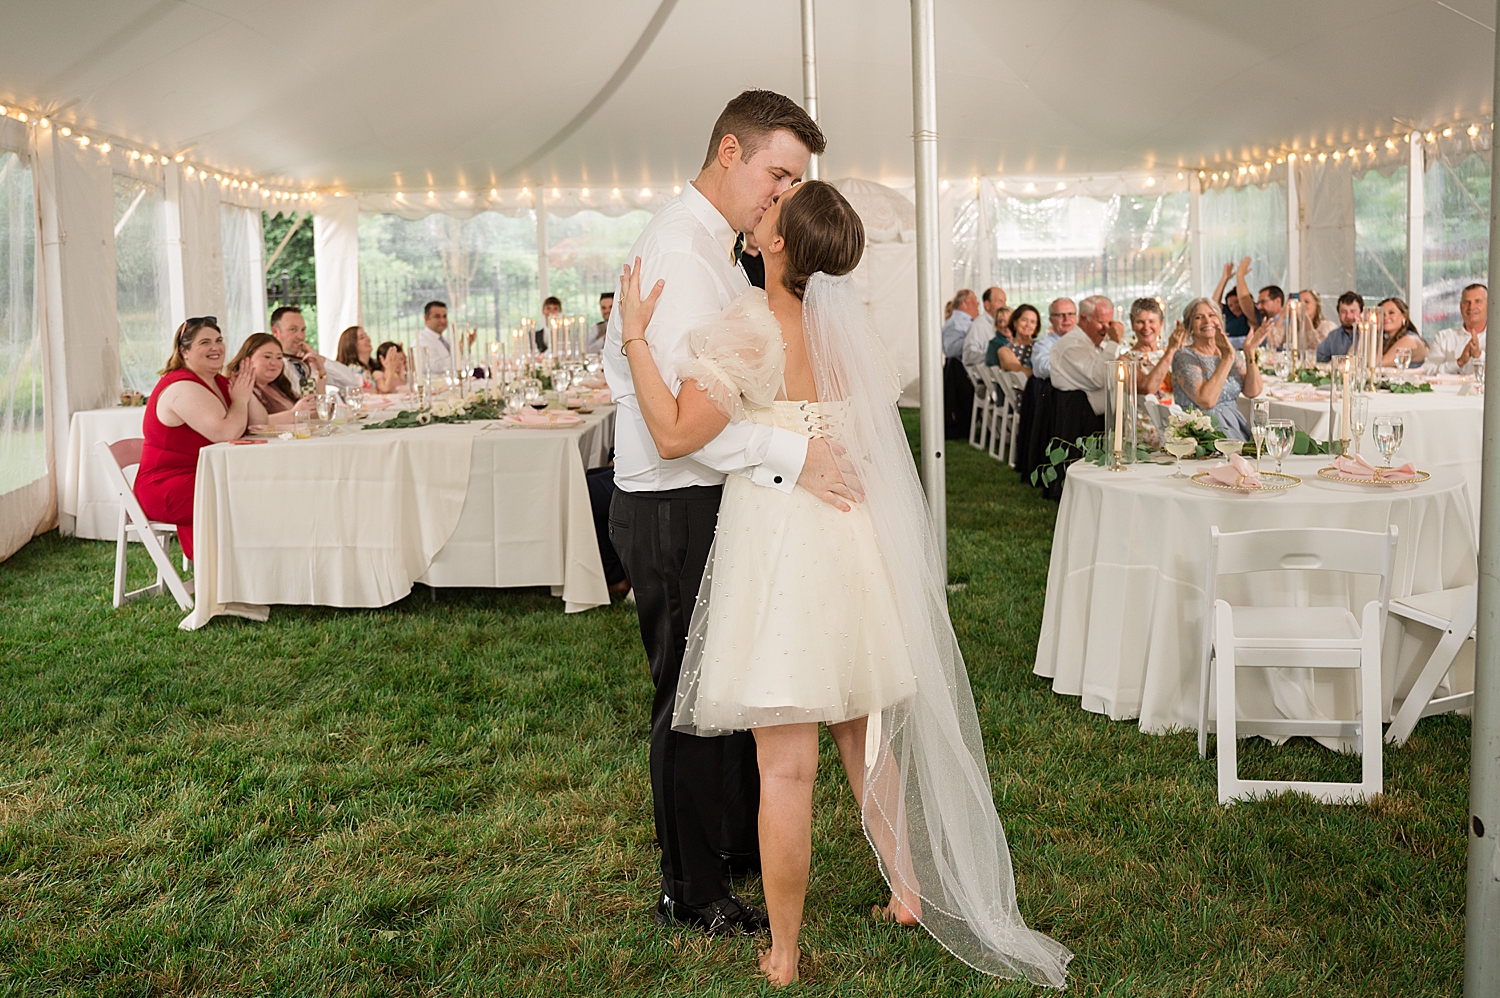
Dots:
{"x": 754, "y": 115}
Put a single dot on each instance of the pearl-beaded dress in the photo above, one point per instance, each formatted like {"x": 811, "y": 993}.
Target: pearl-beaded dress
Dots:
{"x": 796, "y": 619}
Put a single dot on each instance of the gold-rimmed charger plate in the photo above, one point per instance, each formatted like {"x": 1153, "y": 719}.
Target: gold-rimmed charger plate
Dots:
{"x": 1331, "y": 474}
{"x": 1271, "y": 481}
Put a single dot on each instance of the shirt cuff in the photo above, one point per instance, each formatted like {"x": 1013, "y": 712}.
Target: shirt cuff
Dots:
{"x": 783, "y": 462}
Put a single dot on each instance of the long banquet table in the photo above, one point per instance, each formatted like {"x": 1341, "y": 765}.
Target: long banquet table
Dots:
{"x": 355, "y": 518}
{"x": 1441, "y": 429}
{"x": 1124, "y": 618}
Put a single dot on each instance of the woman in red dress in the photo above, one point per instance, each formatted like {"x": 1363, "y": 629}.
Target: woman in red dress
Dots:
{"x": 192, "y": 406}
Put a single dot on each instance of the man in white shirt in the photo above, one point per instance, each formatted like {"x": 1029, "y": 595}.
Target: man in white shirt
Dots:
{"x": 982, "y": 329}
{"x": 1458, "y": 351}
{"x": 662, "y": 517}
{"x": 1083, "y": 360}
{"x": 1062, "y": 316}
{"x": 437, "y": 352}
{"x": 595, "y": 342}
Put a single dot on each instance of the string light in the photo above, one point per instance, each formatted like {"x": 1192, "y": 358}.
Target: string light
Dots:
{"x": 645, "y": 192}
{"x": 584, "y": 192}
{"x": 104, "y": 147}
{"x": 1473, "y": 130}
{"x": 65, "y": 131}
{"x": 676, "y": 189}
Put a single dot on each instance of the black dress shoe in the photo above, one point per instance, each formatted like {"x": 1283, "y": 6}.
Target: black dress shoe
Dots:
{"x": 728, "y": 916}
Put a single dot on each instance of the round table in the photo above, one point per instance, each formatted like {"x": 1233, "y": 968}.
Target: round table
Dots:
{"x": 1441, "y": 429}
{"x": 1123, "y": 622}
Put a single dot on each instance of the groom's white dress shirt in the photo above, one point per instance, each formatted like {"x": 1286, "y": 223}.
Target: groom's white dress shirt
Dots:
{"x": 690, "y": 246}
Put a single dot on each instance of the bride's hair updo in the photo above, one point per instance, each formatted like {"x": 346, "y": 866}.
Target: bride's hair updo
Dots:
{"x": 822, "y": 232}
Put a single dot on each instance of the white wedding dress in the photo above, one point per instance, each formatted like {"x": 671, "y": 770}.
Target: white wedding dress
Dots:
{"x": 807, "y": 613}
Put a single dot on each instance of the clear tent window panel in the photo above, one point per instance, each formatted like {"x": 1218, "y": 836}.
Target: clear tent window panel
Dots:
{"x": 1245, "y": 221}
{"x": 485, "y": 268}
{"x": 1125, "y": 247}
{"x": 141, "y": 290}
{"x": 1456, "y": 236}
{"x": 1380, "y": 235}
{"x": 23, "y": 445}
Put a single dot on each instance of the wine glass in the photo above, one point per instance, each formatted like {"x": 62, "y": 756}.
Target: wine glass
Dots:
{"x": 1228, "y": 447}
{"x": 354, "y": 397}
{"x": 1281, "y": 361}
{"x": 326, "y": 403}
{"x": 1388, "y": 431}
{"x": 1359, "y": 418}
{"x": 1260, "y": 418}
{"x": 1281, "y": 435}
{"x": 1180, "y": 447}
{"x": 561, "y": 379}
{"x": 1402, "y": 360}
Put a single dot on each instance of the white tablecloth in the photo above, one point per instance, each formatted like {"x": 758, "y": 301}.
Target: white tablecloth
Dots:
{"x": 86, "y": 506}
{"x": 1440, "y": 430}
{"x": 355, "y": 518}
{"x": 1123, "y": 622}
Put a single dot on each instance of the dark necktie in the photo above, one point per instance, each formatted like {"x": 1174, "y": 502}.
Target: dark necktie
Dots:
{"x": 739, "y": 247}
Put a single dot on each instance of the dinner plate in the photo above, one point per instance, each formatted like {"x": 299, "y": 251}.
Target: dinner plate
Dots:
{"x": 1331, "y": 474}
{"x": 1271, "y": 481}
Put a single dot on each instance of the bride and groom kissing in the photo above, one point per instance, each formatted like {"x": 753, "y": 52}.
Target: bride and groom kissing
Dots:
{"x": 786, "y": 571}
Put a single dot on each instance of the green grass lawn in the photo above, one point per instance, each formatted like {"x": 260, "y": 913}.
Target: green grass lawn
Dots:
{"x": 451, "y": 798}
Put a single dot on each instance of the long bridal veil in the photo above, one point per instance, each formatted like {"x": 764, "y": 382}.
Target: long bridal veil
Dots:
{"x": 927, "y": 809}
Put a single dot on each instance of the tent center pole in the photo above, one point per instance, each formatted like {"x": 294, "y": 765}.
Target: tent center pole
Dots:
{"x": 810, "y": 75}
{"x": 929, "y": 309}
{"x": 1482, "y": 913}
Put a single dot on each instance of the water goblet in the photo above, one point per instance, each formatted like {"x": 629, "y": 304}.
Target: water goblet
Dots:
{"x": 1180, "y": 447}
{"x": 1281, "y": 435}
{"x": 1281, "y": 362}
{"x": 1388, "y": 431}
{"x": 1402, "y": 360}
{"x": 326, "y": 403}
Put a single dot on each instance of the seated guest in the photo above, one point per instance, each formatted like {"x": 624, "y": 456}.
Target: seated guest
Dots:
{"x": 192, "y": 406}
{"x": 984, "y": 327}
{"x": 958, "y": 390}
{"x": 1270, "y": 306}
{"x": 1340, "y": 340}
{"x": 1001, "y": 338}
{"x": 306, "y": 371}
{"x": 390, "y": 370}
{"x": 1312, "y": 325}
{"x": 1459, "y": 351}
{"x": 601, "y": 483}
{"x": 1146, "y": 321}
{"x": 1011, "y": 350}
{"x": 356, "y": 354}
{"x": 1034, "y": 429}
{"x": 1232, "y": 307}
{"x": 594, "y": 345}
{"x": 1399, "y": 333}
{"x": 551, "y": 306}
{"x": 437, "y": 352}
{"x": 1083, "y": 371}
{"x": 260, "y": 354}
{"x": 1209, "y": 373}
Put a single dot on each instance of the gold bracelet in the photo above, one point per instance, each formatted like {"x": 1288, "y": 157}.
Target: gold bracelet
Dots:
{"x": 633, "y": 339}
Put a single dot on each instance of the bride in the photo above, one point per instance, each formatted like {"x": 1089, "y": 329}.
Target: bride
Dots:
{"x": 808, "y": 614}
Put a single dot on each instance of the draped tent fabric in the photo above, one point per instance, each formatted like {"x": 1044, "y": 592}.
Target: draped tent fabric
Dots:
{"x": 336, "y": 245}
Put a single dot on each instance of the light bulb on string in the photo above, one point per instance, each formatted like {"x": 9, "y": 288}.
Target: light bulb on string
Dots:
{"x": 65, "y": 131}
{"x": 676, "y": 188}
{"x": 105, "y": 147}
{"x": 1473, "y": 130}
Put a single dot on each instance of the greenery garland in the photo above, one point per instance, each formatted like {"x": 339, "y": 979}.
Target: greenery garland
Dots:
{"x": 465, "y": 410}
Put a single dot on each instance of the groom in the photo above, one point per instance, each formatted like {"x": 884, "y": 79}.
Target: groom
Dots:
{"x": 662, "y": 519}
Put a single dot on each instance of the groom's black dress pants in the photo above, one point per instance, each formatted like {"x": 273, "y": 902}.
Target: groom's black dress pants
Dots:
{"x": 706, "y": 790}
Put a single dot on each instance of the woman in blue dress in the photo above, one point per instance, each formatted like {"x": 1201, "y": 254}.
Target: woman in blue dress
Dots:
{"x": 1209, "y": 374}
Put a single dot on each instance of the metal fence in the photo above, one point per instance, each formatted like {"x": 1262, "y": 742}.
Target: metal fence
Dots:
{"x": 392, "y": 309}
{"x": 1158, "y": 272}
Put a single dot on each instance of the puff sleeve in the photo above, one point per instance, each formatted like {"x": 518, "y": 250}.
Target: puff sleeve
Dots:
{"x": 738, "y": 358}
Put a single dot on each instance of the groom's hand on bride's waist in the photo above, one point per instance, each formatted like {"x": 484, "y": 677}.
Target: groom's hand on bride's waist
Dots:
{"x": 829, "y": 474}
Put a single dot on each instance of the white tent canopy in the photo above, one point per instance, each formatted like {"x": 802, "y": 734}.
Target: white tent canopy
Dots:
{"x": 374, "y": 95}
{"x": 344, "y": 108}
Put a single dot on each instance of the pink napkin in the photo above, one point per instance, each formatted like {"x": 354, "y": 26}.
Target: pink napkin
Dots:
{"x": 1358, "y": 467}
{"x": 531, "y": 417}
{"x": 1446, "y": 379}
{"x": 601, "y": 397}
{"x": 1239, "y": 473}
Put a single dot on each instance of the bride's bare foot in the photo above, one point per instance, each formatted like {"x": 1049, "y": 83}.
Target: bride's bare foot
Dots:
{"x": 778, "y": 969}
{"x": 896, "y": 912}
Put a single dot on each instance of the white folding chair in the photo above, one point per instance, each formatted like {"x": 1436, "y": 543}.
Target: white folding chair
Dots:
{"x": 133, "y": 522}
{"x": 1309, "y": 637}
{"x": 980, "y": 410}
{"x": 1009, "y": 385}
{"x": 1452, "y": 611}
